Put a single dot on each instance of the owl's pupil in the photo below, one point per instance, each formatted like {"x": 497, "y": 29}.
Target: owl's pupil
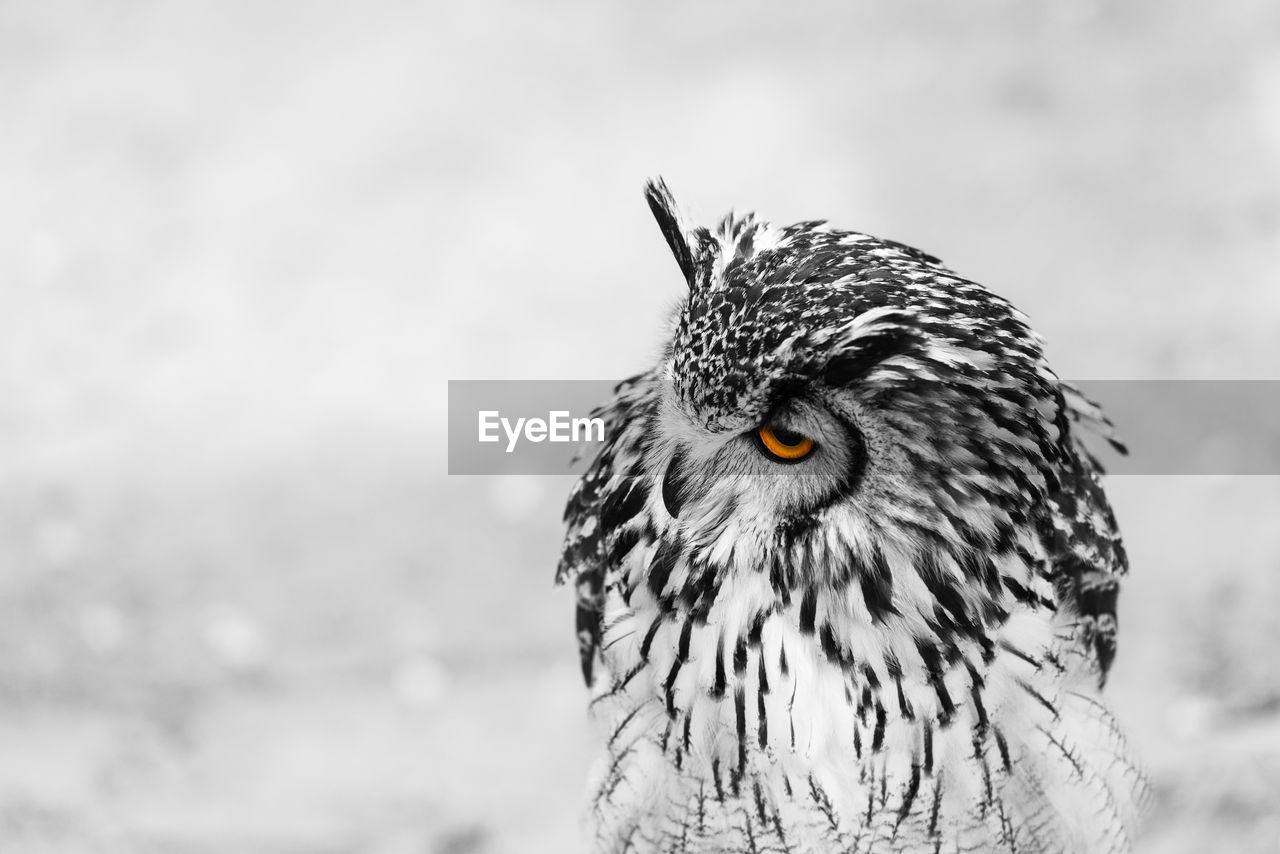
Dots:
{"x": 787, "y": 437}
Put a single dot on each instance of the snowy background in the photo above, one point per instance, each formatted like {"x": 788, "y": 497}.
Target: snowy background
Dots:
{"x": 244, "y": 244}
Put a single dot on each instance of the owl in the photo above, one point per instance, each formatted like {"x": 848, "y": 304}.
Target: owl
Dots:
{"x": 846, "y": 574}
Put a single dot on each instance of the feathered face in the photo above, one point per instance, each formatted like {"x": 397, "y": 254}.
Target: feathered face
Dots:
{"x": 828, "y": 393}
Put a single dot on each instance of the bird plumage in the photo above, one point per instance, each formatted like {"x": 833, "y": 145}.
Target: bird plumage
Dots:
{"x": 894, "y": 643}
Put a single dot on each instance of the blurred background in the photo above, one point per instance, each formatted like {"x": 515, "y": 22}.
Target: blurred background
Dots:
{"x": 243, "y": 245}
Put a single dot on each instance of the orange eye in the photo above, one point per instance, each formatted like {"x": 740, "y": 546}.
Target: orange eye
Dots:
{"x": 784, "y": 445}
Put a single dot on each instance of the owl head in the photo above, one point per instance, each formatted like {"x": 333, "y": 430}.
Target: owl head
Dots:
{"x": 827, "y": 383}
{"x": 840, "y": 416}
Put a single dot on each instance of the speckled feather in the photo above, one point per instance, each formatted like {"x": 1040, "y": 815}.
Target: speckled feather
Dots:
{"x": 898, "y": 646}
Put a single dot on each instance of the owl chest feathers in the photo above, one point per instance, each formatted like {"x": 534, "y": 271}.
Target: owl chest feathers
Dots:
{"x": 755, "y": 716}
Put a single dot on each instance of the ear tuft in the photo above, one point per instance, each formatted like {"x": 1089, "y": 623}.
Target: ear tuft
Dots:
{"x": 682, "y": 237}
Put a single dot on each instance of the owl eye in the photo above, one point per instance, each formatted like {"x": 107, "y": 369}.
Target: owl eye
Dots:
{"x": 783, "y": 445}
